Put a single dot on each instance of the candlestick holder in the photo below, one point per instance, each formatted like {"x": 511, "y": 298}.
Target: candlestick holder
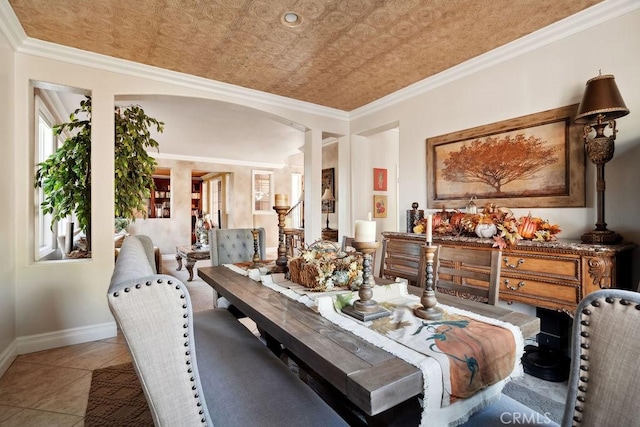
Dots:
{"x": 429, "y": 309}
{"x": 365, "y": 308}
{"x": 256, "y": 254}
{"x": 281, "y": 261}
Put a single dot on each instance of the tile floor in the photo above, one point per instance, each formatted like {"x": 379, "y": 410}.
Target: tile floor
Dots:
{"x": 51, "y": 387}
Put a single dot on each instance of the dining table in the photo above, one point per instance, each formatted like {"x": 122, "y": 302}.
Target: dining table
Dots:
{"x": 372, "y": 379}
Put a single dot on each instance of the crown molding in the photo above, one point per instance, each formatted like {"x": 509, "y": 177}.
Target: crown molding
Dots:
{"x": 10, "y": 26}
{"x": 215, "y": 160}
{"x": 581, "y": 21}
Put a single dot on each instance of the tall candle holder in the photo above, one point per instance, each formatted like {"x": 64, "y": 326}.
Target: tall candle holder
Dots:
{"x": 281, "y": 261}
{"x": 366, "y": 308}
{"x": 256, "y": 254}
{"x": 429, "y": 309}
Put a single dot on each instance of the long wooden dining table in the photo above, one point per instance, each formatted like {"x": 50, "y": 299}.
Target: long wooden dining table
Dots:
{"x": 370, "y": 377}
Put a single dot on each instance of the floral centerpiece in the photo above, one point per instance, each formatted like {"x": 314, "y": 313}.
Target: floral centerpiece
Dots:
{"x": 324, "y": 268}
{"x": 492, "y": 222}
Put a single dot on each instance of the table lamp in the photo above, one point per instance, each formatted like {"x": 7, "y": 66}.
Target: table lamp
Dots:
{"x": 600, "y": 106}
{"x": 327, "y": 197}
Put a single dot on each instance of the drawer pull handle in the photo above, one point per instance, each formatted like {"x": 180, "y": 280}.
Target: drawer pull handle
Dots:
{"x": 506, "y": 262}
{"x": 513, "y": 288}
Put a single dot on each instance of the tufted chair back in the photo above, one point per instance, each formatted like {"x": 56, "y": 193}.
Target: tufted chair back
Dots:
{"x": 231, "y": 245}
{"x": 604, "y": 380}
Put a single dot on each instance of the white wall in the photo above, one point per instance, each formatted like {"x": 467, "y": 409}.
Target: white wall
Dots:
{"x": 548, "y": 77}
{"x": 7, "y": 215}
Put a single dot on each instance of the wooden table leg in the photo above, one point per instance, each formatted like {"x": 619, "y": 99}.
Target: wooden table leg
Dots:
{"x": 190, "y": 263}
{"x": 179, "y": 259}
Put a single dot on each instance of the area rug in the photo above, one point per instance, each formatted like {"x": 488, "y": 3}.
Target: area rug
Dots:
{"x": 116, "y": 398}
{"x": 536, "y": 401}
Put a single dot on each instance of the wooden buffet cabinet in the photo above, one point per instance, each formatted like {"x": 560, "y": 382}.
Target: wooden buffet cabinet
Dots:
{"x": 554, "y": 275}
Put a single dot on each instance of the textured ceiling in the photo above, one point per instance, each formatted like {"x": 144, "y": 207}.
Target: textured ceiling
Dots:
{"x": 345, "y": 54}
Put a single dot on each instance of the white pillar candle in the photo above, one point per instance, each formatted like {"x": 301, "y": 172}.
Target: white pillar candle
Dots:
{"x": 365, "y": 231}
{"x": 429, "y": 229}
{"x": 282, "y": 200}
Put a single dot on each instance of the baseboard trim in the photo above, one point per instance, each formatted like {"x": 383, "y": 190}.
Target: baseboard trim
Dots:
{"x": 8, "y": 356}
{"x": 39, "y": 342}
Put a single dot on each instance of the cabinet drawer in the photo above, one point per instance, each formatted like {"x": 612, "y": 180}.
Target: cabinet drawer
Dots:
{"x": 566, "y": 267}
{"x": 541, "y": 294}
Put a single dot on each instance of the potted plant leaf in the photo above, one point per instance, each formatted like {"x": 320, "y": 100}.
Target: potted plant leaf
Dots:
{"x": 65, "y": 176}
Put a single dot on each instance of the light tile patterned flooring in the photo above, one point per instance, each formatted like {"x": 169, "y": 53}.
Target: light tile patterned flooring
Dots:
{"x": 51, "y": 387}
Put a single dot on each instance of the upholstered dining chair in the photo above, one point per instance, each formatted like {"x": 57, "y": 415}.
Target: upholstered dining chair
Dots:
{"x": 232, "y": 245}
{"x": 603, "y": 380}
{"x": 472, "y": 272}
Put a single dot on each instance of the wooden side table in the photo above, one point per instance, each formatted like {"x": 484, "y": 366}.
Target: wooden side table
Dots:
{"x": 191, "y": 254}
{"x": 329, "y": 234}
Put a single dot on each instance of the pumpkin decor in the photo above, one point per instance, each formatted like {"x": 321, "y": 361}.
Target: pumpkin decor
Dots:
{"x": 492, "y": 221}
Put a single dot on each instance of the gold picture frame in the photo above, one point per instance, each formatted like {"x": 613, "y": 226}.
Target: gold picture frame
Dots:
{"x": 533, "y": 161}
{"x": 380, "y": 206}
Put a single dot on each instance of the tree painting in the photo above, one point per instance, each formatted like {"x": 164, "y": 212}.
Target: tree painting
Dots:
{"x": 497, "y": 161}
{"x": 535, "y": 160}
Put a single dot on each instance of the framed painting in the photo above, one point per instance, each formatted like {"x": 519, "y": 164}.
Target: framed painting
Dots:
{"x": 379, "y": 179}
{"x": 379, "y": 206}
{"x": 328, "y": 175}
{"x": 530, "y": 161}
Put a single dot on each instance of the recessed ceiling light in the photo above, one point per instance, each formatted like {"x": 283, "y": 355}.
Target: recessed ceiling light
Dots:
{"x": 291, "y": 19}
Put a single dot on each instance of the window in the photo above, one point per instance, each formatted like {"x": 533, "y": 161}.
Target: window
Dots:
{"x": 53, "y": 105}
{"x": 262, "y": 191}
{"x": 46, "y": 144}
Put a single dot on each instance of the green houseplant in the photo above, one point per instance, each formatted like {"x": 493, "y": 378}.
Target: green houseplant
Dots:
{"x": 65, "y": 176}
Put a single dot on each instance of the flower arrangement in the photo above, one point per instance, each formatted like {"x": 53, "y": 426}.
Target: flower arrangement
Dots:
{"x": 505, "y": 228}
{"x": 323, "y": 268}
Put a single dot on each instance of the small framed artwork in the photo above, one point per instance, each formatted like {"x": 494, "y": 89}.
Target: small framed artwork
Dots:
{"x": 379, "y": 206}
{"x": 379, "y": 179}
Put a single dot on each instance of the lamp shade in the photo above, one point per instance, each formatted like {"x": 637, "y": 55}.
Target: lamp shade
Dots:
{"x": 327, "y": 195}
{"x": 601, "y": 97}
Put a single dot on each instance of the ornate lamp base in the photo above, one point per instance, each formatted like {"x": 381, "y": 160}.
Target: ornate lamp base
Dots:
{"x": 365, "y": 308}
{"x": 602, "y": 237}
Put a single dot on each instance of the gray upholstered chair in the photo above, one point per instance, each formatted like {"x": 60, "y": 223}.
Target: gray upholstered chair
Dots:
{"x": 231, "y": 245}
{"x": 603, "y": 381}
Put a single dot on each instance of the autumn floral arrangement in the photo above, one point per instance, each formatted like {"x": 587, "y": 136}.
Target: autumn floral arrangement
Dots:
{"x": 324, "y": 268}
{"x": 491, "y": 222}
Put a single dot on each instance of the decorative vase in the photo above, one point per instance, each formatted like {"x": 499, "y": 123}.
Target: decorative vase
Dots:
{"x": 486, "y": 230}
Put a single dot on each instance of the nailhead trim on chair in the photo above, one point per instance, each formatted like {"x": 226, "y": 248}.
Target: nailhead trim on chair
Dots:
{"x": 581, "y": 398}
{"x": 194, "y": 387}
